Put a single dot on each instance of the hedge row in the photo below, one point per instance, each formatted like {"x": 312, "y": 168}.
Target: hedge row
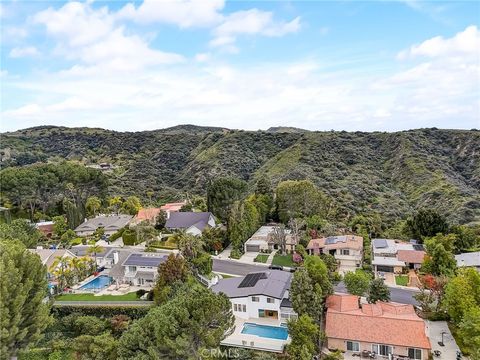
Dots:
{"x": 134, "y": 312}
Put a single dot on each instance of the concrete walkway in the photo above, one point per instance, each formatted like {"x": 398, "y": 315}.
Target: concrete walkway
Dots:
{"x": 270, "y": 257}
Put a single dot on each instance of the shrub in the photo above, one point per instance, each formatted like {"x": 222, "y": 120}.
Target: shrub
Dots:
{"x": 235, "y": 254}
{"x": 141, "y": 292}
{"x": 134, "y": 312}
{"x": 203, "y": 263}
{"x": 129, "y": 237}
{"x": 76, "y": 241}
{"x": 117, "y": 234}
{"x": 297, "y": 258}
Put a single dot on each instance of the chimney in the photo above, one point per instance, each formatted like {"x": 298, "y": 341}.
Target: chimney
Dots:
{"x": 115, "y": 257}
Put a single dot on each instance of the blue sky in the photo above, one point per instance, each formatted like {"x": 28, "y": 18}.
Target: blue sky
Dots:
{"x": 130, "y": 66}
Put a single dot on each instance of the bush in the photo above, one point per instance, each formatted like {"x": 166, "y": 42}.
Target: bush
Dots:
{"x": 203, "y": 263}
{"x": 141, "y": 292}
{"x": 134, "y": 312}
{"x": 235, "y": 254}
{"x": 117, "y": 235}
{"x": 129, "y": 237}
{"x": 76, "y": 241}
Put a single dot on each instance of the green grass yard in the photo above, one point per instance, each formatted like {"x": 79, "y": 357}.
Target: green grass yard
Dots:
{"x": 283, "y": 260}
{"x": 261, "y": 258}
{"x": 90, "y": 297}
{"x": 401, "y": 280}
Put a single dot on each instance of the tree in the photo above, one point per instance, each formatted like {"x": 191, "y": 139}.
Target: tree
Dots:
{"x": 93, "y": 205}
{"x": 145, "y": 232}
{"x": 60, "y": 268}
{"x": 440, "y": 259}
{"x": 22, "y": 230}
{"x": 426, "y": 223}
{"x": 296, "y": 224}
{"x": 465, "y": 239}
{"x": 59, "y": 226}
{"x": 161, "y": 220}
{"x": 131, "y": 205}
{"x": 222, "y": 193}
{"x": 23, "y": 284}
{"x": 189, "y": 245}
{"x": 357, "y": 283}
{"x": 194, "y": 319}
{"x": 100, "y": 347}
{"x": 203, "y": 263}
{"x": 378, "y": 291}
{"x": 68, "y": 236}
{"x": 306, "y": 296}
{"x": 95, "y": 249}
{"x": 279, "y": 237}
{"x": 462, "y": 293}
{"x": 303, "y": 331}
{"x": 263, "y": 186}
{"x": 115, "y": 203}
{"x": 89, "y": 325}
{"x": 172, "y": 270}
{"x": 432, "y": 290}
{"x": 470, "y": 331}
{"x": 318, "y": 272}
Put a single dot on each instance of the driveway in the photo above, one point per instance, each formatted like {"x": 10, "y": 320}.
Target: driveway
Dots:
{"x": 434, "y": 331}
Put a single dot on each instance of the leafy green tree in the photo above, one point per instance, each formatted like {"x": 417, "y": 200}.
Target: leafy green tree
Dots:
{"x": 194, "y": 319}
{"x": 173, "y": 270}
{"x": 100, "y": 347}
{"x": 93, "y": 205}
{"x": 23, "y": 284}
{"x": 357, "y": 283}
{"x": 203, "y": 263}
{"x": 222, "y": 193}
{"x": 131, "y": 205}
{"x": 215, "y": 239}
{"x": 161, "y": 220}
{"x": 470, "y": 331}
{"x": 189, "y": 245}
{"x": 426, "y": 223}
{"x": 318, "y": 272}
{"x": 462, "y": 293}
{"x": 466, "y": 238}
{"x": 89, "y": 325}
{"x": 263, "y": 186}
{"x": 303, "y": 332}
{"x": 440, "y": 259}
{"x": 378, "y": 291}
{"x": 20, "y": 229}
{"x": 300, "y": 199}
{"x": 95, "y": 250}
{"x": 243, "y": 221}
{"x": 115, "y": 203}
{"x": 68, "y": 236}
{"x": 305, "y": 295}
{"x": 371, "y": 222}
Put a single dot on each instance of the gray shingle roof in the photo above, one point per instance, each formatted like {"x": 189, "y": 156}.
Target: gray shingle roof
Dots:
{"x": 274, "y": 285}
{"x": 82, "y": 250}
{"x": 184, "y": 220}
{"x": 468, "y": 259}
{"x": 114, "y": 222}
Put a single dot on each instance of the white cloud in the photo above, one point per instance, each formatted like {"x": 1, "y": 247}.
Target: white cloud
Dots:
{"x": 92, "y": 36}
{"x": 183, "y": 13}
{"x": 202, "y": 57}
{"x": 251, "y": 22}
{"x": 20, "y": 52}
{"x": 465, "y": 42}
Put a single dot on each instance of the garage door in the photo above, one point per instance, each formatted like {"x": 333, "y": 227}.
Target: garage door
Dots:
{"x": 253, "y": 248}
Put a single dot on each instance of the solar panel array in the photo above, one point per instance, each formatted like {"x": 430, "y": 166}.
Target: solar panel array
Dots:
{"x": 251, "y": 279}
{"x": 418, "y": 247}
{"x": 144, "y": 260}
{"x": 380, "y": 243}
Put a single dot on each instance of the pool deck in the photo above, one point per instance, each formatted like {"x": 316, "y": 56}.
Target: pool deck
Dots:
{"x": 248, "y": 341}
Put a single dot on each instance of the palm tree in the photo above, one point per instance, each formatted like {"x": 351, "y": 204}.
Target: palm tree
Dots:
{"x": 95, "y": 249}
{"x": 190, "y": 246}
{"x": 60, "y": 269}
{"x": 78, "y": 266}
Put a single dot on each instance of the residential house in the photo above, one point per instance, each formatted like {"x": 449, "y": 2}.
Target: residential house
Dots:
{"x": 191, "y": 222}
{"x": 384, "y": 328}
{"x": 147, "y": 214}
{"x": 173, "y": 207}
{"x": 48, "y": 258}
{"x": 45, "y": 227}
{"x": 347, "y": 250}
{"x": 83, "y": 250}
{"x": 259, "y": 300}
{"x": 109, "y": 223}
{"x": 469, "y": 260}
{"x": 135, "y": 268}
{"x": 263, "y": 240}
{"x": 394, "y": 256}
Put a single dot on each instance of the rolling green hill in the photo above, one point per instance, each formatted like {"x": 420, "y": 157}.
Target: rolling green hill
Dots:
{"x": 392, "y": 173}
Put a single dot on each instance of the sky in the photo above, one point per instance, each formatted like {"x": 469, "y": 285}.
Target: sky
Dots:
{"x": 317, "y": 65}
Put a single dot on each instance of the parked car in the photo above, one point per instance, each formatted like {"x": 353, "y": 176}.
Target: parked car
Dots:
{"x": 276, "y": 267}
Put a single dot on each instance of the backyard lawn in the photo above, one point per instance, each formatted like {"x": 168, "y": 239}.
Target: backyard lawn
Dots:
{"x": 401, "y": 280}
{"x": 261, "y": 258}
{"x": 283, "y": 260}
{"x": 90, "y": 297}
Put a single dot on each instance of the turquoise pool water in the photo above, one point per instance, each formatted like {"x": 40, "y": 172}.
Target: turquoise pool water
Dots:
{"x": 266, "y": 331}
{"x": 98, "y": 283}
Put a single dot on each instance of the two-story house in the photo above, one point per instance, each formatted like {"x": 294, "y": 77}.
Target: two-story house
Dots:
{"x": 261, "y": 306}
{"x": 191, "y": 222}
{"x": 347, "y": 250}
{"x": 135, "y": 268}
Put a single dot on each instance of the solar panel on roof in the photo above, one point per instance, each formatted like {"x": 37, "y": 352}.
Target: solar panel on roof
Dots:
{"x": 330, "y": 240}
{"x": 380, "y": 243}
{"x": 251, "y": 279}
{"x": 418, "y": 247}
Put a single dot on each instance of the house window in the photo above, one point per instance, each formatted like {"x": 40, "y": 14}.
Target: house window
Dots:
{"x": 382, "y": 350}
{"x": 244, "y": 308}
{"x": 353, "y": 346}
{"x": 255, "y": 299}
{"x": 345, "y": 252}
{"x": 240, "y": 307}
{"x": 271, "y": 300}
{"x": 415, "y": 353}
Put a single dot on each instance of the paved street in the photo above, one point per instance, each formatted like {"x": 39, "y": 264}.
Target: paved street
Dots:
{"x": 403, "y": 296}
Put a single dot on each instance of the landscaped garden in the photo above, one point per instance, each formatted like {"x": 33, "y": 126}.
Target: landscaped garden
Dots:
{"x": 283, "y": 260}
{"x": 132, "y": 296}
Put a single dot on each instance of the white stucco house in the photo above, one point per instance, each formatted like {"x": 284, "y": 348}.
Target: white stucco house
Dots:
{"x": 261, "y": 306}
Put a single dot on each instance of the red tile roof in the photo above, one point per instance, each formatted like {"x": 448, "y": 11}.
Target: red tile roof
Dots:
{"x": 148, "y": 214}
{"x": 381, "y": 323}
{"x": 173, "y": 206}
{"x": 411, "y": 256}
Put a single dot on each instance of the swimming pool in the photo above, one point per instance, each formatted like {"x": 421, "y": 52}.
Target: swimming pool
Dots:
{"x": 97, "y": 283}
{"x": 266, "y": 331}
